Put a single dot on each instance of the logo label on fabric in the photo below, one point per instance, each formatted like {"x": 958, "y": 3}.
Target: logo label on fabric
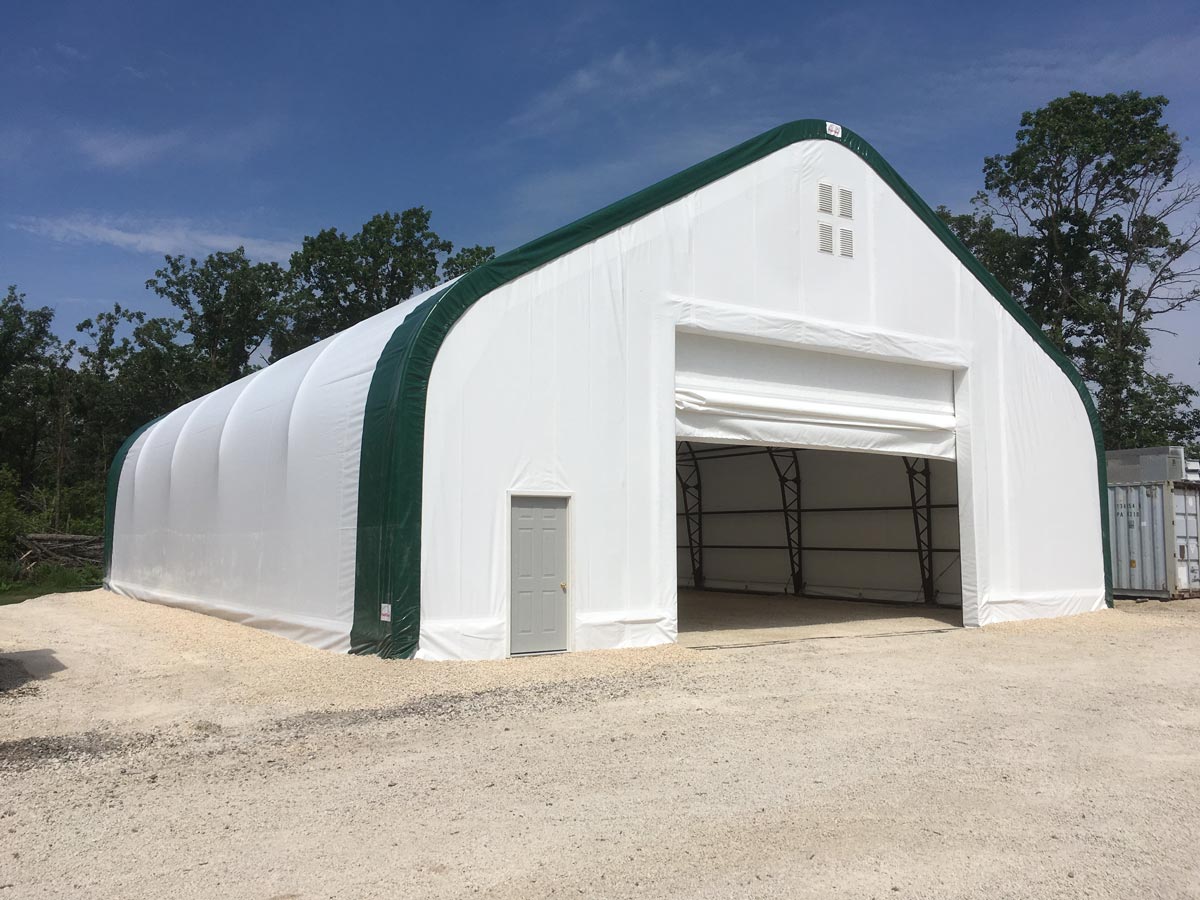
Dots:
{"x": 385, "y": 612}
{"x": 833, "y": 129}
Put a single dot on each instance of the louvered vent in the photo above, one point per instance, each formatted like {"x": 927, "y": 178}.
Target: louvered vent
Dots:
{"x": 845, "y": 242}
{"x": 845, "y": 203}
{"x": 825, "y": 198}
{"x": 824, "y": 237}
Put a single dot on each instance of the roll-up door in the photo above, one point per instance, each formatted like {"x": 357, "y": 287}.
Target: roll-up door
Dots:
{"x": 736, "y": 391}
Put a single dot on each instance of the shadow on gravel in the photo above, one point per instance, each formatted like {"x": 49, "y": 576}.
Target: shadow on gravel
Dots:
{"x": 20, "y": 669}
{"x": 482, "y": 704}
{"x": 27, "y": 753}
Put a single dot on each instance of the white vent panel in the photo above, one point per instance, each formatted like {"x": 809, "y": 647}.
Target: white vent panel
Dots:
{"x": 825, "y": 198}
{"x": 845, "y": 203}
{"x": 846, "y": 242}
{"x": 824, "y": 237}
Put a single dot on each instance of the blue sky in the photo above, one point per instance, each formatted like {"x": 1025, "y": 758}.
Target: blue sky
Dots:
{"x": 129, "y": 130}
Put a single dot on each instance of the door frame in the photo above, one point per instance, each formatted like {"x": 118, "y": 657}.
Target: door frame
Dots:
{"x": 531, "y": 494}
{"x": 695, "y": 317}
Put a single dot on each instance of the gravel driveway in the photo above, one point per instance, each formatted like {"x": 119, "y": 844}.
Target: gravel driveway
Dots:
{"x": 151, "y": 752}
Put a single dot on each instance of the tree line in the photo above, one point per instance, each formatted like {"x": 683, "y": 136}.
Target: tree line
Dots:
{"x": 1089, "y": 221}
{"x": 67, "y": 405}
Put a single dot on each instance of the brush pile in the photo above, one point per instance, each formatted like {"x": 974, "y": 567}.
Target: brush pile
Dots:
{"x": 63, "y": 549}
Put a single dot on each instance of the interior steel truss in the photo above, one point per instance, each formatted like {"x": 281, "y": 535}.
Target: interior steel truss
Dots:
{"x": 922, "y": 512}
{"x": 787, "y": 466}
{"x": 687, "y": 470}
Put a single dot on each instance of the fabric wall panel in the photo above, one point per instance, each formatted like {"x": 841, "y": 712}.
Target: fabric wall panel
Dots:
{"x": 243, "y": 503}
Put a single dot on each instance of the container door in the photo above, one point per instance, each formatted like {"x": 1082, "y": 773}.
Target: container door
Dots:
{"x": 1187, "y": 537}
{"x": 1138, "y": 538}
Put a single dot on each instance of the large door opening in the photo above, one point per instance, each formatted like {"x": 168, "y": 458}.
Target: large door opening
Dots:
{"x": 773, "y": 537}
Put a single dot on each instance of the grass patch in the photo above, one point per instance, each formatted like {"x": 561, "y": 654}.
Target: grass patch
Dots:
{"x": 47, "y": 579}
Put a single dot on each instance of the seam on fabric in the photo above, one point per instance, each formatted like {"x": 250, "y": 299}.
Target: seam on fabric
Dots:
{"x": 110, "y": 496}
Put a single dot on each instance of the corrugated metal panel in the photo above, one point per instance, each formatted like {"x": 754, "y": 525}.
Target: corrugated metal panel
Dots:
{"x": 1155, "y": 536}
{"x": 1187, "y": 537}
{"x": 1146, "y": 464}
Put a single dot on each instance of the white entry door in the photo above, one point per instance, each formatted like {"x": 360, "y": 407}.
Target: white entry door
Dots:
{"x": 538, "y": 596}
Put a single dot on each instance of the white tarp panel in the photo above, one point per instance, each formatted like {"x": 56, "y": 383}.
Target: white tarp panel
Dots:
{"x": 729, "y": 390}
{"x": 243, "y": 503}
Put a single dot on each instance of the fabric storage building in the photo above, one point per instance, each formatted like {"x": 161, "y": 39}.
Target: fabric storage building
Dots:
{"x": 526, "y": 459}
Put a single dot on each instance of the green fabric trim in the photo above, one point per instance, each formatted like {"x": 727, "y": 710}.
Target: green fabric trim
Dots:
{"x": 110, "y": 496}
{"x": 388, "y": 565}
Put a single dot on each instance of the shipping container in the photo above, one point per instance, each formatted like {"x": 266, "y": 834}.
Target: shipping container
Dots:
{"x": 1155, "y": 537}
{"x": 1146, "y": 464}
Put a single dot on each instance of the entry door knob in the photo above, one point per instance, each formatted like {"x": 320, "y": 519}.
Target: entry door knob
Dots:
{"x": 563, "y": 585}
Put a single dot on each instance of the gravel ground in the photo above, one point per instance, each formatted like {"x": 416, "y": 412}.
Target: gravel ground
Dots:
{"x": 149, "y": 752}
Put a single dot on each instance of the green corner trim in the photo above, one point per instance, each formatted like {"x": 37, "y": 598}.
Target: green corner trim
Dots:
{"x": 110, "y": 496}
{"x": 388, "y": 563}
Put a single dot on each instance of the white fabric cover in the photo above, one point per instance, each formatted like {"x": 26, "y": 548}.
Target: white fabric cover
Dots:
{"x": 244, "y": 503}
{"x": 565, "y": 380}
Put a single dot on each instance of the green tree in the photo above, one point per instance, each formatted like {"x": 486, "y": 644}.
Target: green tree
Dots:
{"x": 160, "y": 372}
{"x": 26, "y": 345}
{"x": 1089, "y": 225}
{"x": 229, "y": 307}
{"x": 24, "y": 333}
{"x": 1006, "y": 255}
{"x": 466, "y": 259}
{"x": 12, "y": 518}
{"x": 336, "y": 280}
{"x": 99, "y": 396}
{"x": 1161, "y": 412}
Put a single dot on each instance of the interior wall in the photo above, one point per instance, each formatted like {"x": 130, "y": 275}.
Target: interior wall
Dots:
{"x": 828, "y": 479}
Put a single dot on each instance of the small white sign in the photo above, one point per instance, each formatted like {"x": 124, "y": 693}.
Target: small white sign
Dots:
{"x": 385, "y": 612}
{"x": 833, "y": 129}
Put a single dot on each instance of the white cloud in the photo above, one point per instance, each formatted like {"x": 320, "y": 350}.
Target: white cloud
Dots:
{"x": 1078, "y": 63}
{"x": 123, "y": 149}
{"x": 629, "y": 77}
{"x": 69, "y": 52}
{"x": 931, "y": 103}
{"x": 155, "y": 236}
